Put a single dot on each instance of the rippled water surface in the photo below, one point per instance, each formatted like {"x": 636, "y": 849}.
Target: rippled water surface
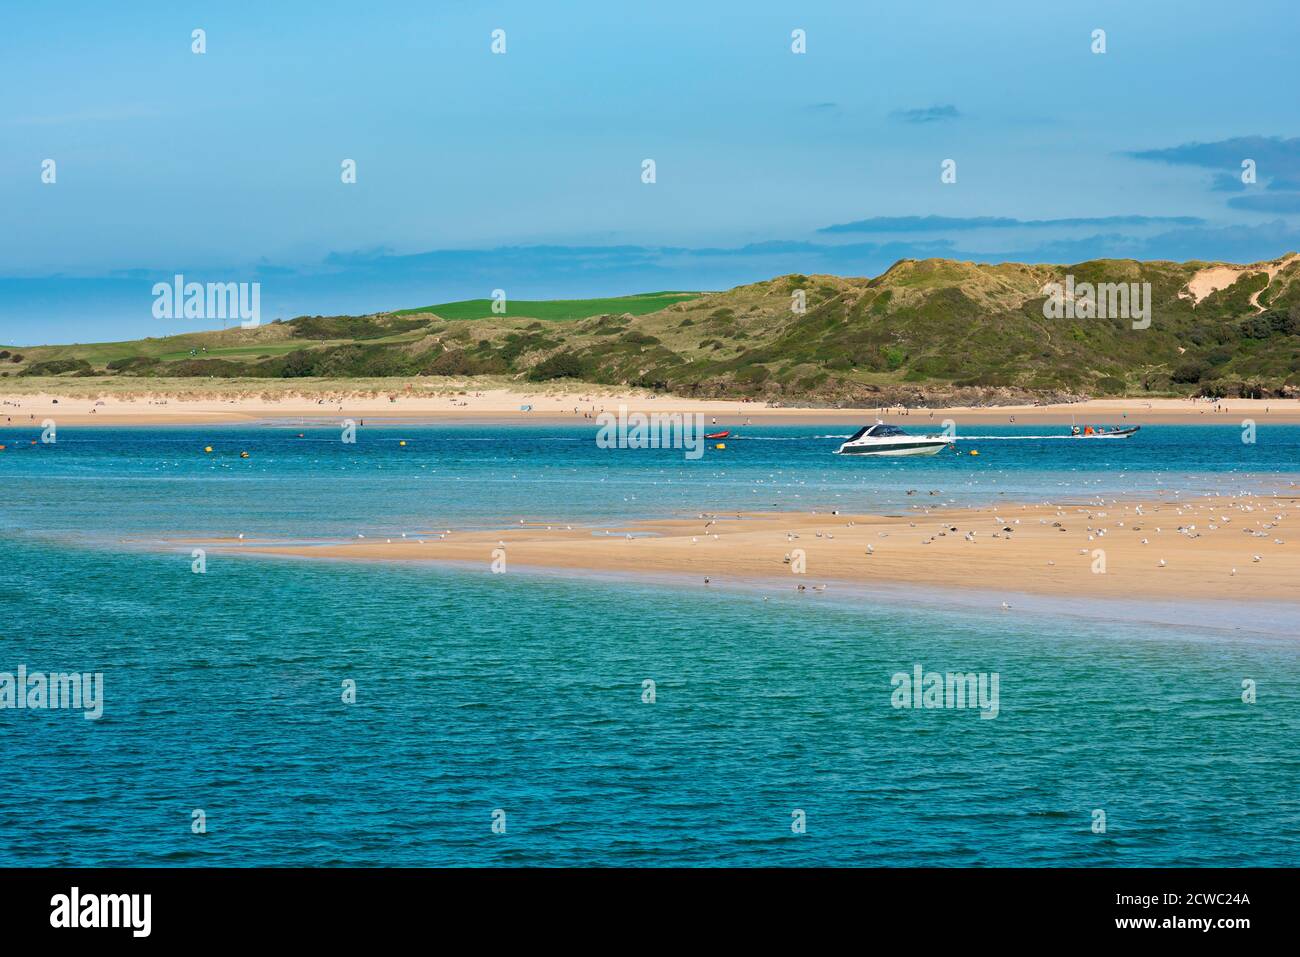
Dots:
{"x": 524, "y": 692}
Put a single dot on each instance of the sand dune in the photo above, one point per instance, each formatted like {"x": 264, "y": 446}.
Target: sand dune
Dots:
{"x": 1206, "y": 282}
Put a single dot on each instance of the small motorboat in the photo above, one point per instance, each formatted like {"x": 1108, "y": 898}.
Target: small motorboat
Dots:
{"x": 1103, "y": 431}
{"x": 717, "y": 435}
{"x": 882, "y": 439}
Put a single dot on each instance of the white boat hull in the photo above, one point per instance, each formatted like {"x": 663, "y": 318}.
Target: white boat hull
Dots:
{"x": 929, "y": 449}
{"x": 882, "y": 439}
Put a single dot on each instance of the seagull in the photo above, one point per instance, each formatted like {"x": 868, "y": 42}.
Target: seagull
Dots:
{"x": 1163, "y": 563}
{"x": 1006, "y": 607}
{"x": 1255, "y": 558}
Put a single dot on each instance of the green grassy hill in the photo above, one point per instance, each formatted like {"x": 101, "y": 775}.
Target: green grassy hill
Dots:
{"x": 925, "y": 330}
{"x": 555, "y": 310}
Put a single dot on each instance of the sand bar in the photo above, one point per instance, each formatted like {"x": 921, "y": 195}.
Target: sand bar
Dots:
{"x": 1239, "y": 548}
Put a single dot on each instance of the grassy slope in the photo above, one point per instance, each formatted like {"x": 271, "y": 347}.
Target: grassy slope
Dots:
{"x": 923, "y": 328}
{"x": 555, "y": 310}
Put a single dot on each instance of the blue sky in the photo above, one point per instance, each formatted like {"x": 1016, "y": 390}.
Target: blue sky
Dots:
{"x": 522, "y": 171}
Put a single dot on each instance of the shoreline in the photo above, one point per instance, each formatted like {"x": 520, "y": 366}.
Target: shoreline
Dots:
{"x": 501, "y": 406}
{"x": 1050, "y": 550}
{"x": 1190, "y": 616}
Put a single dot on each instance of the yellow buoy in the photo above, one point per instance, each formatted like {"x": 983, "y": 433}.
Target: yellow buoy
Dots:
{"x": 207, "y": 448}
{"x": 974, "y": 452}
{"x": 721, "y": 445}
{"x": 243, "y": 455}
{"x": 403, "y": 442}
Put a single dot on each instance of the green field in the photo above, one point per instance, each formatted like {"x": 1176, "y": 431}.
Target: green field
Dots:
{"x": 556, "y": 310}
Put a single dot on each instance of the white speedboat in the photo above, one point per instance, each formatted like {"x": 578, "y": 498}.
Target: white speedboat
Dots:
{"x": 882, "y": 439}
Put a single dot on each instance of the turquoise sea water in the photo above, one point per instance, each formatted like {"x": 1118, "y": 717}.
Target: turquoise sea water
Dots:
{"x": 523, "y": 692}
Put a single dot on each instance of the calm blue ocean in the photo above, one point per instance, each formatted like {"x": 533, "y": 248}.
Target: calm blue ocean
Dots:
{"x": 523, "y": 692}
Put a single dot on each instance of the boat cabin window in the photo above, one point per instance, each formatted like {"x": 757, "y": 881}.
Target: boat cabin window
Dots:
{"x": 877, "y": 431}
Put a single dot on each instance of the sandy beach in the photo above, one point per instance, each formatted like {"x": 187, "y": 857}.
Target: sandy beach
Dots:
{"x": 1238, "y": 548}
{"x": 508, "y": 405}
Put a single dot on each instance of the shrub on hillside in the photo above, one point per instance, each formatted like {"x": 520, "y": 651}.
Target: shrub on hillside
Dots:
{"x": 57, "y": 367}
{"x": 1190, "y": 371}
{"x": 562, "y": 365}
{"x": 132, "y": 364}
